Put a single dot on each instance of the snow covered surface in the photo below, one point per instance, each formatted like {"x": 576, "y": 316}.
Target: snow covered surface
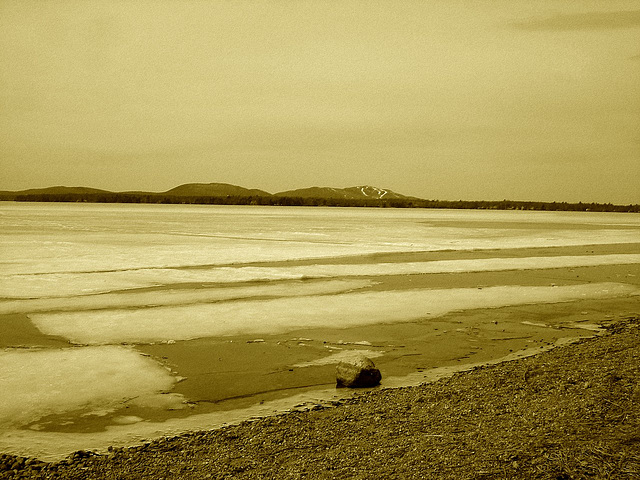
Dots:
{"x": 36, "y": 383}
{"x": 257, "y": 317}
{"x": 84, "y": 238}
{"x": 71, "y": 284}
{"x": 179, "y": 296}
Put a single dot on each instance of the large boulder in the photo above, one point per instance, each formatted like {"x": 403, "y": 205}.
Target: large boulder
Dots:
{"x": 357, "y": 372}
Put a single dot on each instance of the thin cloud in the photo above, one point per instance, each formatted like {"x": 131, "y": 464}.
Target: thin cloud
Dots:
{"x": 583, "y": 21}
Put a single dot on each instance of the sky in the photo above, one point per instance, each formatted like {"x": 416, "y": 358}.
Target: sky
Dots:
{"x": 439, "y": 99}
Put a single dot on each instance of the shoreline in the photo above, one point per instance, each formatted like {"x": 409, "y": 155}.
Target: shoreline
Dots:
{"x": 573, "y": 410}
{"x": 279, "y": 372}
{"x": 265, "y": 199}
{"x": 221, "y": 380}
{"x": 54, "y": 444}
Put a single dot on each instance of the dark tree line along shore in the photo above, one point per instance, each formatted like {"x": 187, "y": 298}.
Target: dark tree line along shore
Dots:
{"x": 314, "y": 202}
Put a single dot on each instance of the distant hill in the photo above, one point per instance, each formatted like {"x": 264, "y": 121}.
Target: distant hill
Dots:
{"x": 59, "y": 190}
{"x": 215, "y": 190}
{"x": 352, "y": 193}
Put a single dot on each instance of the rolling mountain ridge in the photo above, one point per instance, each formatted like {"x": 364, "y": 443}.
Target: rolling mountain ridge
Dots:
{"x": 228, "y": 190}
{"x": 227, "y": 194}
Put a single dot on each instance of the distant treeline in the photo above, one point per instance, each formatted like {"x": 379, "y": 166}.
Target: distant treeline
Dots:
{"x": 314, "y": 202}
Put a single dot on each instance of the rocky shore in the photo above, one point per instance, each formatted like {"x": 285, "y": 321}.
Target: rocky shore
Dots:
{"x": 570, "y": 413}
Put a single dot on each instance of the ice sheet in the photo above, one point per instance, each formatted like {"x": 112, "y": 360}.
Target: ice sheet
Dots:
{"x": 260, "y": 317}
{"x": 90, "y": 252}
{"x": 180, "y": 296}
{"x": 45, "y": 238}
{"x": 52, "y": 285}
{"x": 38, "y": 383}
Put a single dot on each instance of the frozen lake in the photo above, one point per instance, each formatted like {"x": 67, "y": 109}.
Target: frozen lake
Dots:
{"x": 87, "y": 238}
{"x": 123, "y": 322}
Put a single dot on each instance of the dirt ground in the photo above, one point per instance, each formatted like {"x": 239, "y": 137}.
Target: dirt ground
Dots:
{"x": 570, "y": 413}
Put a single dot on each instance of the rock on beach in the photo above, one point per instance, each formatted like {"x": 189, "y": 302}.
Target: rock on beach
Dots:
{"x": 359, "y": 372}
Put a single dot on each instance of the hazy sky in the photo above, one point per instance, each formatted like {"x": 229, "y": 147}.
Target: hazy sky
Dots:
{"x": 525, "y": 100}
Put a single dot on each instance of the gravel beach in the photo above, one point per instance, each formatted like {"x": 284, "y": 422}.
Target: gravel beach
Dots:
{"x": 570, "y": 413}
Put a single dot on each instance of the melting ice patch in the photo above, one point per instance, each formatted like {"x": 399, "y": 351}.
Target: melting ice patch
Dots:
{"x": 260, "y": 317}
{"x": 44, "y": 382}
{"x": 107, "y": 250}
{"x": 65, "y": 284}
{"x": 179, "y": 296}
{"x": 415, "y": 268}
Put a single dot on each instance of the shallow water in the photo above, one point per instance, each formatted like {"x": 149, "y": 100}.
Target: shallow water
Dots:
{"x": 124, "y": 321}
